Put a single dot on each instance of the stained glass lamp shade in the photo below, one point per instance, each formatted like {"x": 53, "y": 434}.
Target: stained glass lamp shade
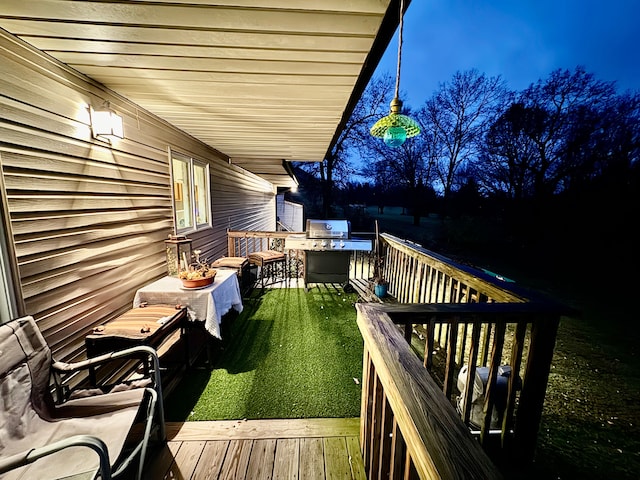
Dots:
{"x": 395, "y": 128}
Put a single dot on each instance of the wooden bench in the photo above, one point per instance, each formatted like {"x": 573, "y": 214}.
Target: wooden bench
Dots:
{"x": 363, "y": 288}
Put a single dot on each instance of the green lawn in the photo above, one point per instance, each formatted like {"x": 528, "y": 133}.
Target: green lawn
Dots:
{"x": 289, "y": 354}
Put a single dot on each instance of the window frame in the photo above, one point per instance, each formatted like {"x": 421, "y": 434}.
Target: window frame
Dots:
{"x": 190, "y": 192}
{"x": 206, "y": 197}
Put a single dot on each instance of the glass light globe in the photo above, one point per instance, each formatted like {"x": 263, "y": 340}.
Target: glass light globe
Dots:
{"x": 395, "y": 136}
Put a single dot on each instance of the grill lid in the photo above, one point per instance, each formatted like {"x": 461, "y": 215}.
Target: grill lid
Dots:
{"x": 328, "y": 228}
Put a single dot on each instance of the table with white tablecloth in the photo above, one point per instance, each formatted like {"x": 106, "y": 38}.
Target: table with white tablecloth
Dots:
{"x": 207, "y": 304}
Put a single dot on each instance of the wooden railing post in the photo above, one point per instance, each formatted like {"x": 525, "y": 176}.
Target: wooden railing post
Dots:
{"x": 471, "y": 370}
{"x": 543, "y": 339}
{"x": 451, "y": 357}
{"x": 376, "y": 424}
{"x": 490, "y": 394}
{"x": 516, "y": 361}
{"x": 398, "y": 453}
{"x": 436, "y": 444}
{"x": 368, "y": 372}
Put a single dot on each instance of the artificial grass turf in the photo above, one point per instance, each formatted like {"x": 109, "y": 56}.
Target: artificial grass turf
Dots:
{"x": 289, "y": 354}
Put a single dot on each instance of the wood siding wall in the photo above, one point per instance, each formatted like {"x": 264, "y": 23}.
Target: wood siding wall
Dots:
{"x": 88, "y": 219}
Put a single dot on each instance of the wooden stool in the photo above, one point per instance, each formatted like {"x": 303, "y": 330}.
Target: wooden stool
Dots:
{"x": 240, "y": 265}
{"x": 269, "y": 261}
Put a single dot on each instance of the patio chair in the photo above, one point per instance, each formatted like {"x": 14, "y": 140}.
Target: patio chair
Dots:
{"x": 81, "y": 434}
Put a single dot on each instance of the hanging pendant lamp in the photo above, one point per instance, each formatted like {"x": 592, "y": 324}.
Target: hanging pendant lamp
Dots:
{"x": 395, "y": 128}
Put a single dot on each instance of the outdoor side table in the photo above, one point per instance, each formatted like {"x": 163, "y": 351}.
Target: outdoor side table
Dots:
{"x": 147, "y": 325}
{"x": 207, "y": 304}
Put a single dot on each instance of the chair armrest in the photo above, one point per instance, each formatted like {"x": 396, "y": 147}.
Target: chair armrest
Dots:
{"x": 59, "y": 368}
{"x": 30, "y": 456}
{"x": 64, "y": 367}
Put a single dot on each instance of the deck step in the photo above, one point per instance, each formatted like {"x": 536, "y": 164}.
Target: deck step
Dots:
{"x": 320, "y": 448}
{"x": 267, "y": 428}
{"x": 363, "y": 288}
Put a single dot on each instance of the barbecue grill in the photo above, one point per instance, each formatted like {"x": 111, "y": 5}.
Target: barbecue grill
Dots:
{"x": 327, "y": 246}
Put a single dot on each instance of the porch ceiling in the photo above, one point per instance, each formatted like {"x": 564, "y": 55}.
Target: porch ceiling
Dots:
{"x": 264, "y": 82}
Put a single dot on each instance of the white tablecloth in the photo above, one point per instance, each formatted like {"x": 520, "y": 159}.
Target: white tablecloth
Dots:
{"x": 208, "y": 304}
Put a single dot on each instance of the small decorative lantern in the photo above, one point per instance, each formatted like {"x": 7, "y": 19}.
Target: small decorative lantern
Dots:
{"x": 178, "y": 254}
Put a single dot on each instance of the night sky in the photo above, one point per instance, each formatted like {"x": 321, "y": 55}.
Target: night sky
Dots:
{"x": 522, "y": 41}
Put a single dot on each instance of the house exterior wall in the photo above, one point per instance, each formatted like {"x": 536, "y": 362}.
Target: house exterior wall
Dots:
{"x": 88, "y": 220}
{"x": 290, "y": 214}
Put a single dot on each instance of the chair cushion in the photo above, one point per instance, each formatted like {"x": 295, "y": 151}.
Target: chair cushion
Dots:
{"x": 266, "y": 256}
{"x": 230, "y": 262}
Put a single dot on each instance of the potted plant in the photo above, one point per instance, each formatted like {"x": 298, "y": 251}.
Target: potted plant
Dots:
{"x": 198, "y": 274}
{"x": 380, "y": 284}
{"x": 380, "y": 287}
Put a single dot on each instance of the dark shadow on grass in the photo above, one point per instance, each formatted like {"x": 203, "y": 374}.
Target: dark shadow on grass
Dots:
{"x": 180, "y": 403}
{"x": 248, "y": 344}
{"x": 241, "y": 350}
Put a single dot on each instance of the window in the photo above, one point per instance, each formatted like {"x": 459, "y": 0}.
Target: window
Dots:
{"x": 201, "y": 189}
{"x": 190, "y": 193}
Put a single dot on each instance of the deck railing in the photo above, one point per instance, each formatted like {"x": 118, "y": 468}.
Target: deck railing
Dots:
{"x": 500, "y": 336}
{"x": 408, "y": 429}
{"x": 242, "y": 243}
{"x": 455, "y": 319}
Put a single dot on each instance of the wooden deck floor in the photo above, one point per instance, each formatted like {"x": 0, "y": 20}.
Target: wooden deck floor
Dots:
{"x": 304, "y": 449}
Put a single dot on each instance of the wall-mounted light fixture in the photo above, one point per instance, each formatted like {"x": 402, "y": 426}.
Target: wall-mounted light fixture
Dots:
{"x": 395, "y": 128}
{"x": 105, "y": 123}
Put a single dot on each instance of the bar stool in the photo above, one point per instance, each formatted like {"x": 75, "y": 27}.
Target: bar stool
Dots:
{"x": 269, "y": 262}
{"x": 240, "y": 265}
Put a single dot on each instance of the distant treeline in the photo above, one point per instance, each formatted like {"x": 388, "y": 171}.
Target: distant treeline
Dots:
{"x": 555, "y": 164}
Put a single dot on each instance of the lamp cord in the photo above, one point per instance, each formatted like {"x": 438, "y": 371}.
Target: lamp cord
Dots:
{"x": 397, "y": 91}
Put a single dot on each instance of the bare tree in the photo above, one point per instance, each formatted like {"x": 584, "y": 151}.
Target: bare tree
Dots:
{"x": 557, "y": 135}
{"x": 567, "y": 106}
{"x": 337, "y": 168}
{"x": 409, "y": 166}
{"x": 506, "y": 162}
{"x": 457, "y": 117}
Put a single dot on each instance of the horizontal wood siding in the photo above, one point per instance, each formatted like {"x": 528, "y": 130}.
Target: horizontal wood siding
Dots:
{"x": 89, "y": 219}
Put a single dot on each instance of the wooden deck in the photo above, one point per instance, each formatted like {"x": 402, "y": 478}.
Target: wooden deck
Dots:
{"x": 260, "y": 449}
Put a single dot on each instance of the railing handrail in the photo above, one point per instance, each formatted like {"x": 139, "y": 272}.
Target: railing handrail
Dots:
{"x": 479, "y": 280}
{"x": 261, "y": 233}
{"x": 499, "y": 309}
{"x": 234, "y": 249}
{"x": 466, "y": 319}
{"x": 437, "y": 441}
